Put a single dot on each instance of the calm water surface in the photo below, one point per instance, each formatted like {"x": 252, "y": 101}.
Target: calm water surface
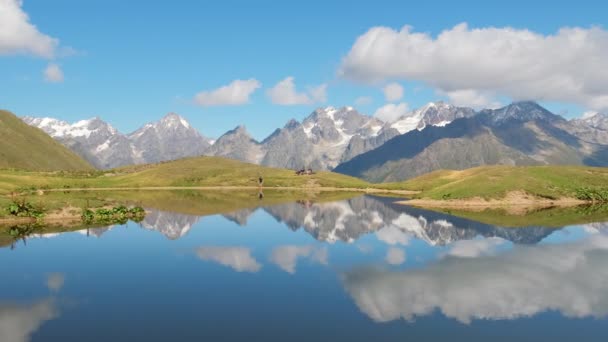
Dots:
{"x": 354, "y": 270}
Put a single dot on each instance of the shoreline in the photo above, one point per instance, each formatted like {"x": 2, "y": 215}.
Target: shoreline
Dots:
{"x": 73, "y": 215}
{"x": 244, "y": 187}
{"x": 515, "y": 202}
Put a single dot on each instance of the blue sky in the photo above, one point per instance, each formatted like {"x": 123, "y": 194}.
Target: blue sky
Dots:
{"x": 131, "y": 62}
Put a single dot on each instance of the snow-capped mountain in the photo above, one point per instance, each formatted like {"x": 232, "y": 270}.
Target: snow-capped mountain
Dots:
{"x": 320, "y": 140}
{"x": 597, "y": 120}
{"x": 170, "y": 138}
{"x": 102, "y": 145}
{"x": 518, "y": 111}
{"x": 93, "y": 139}
{"x": 521, "y": 133}
{"x": 171, "y": 225}
{"x": 592, "y": 128}
{"x": 432, "y": 114}
{"x": 327, "y": 137}
{"x": 349, "y": 220}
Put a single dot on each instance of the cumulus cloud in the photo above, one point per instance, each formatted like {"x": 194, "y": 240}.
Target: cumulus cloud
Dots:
{"x": 19, "y": 322}
{"x": 393, "y": 92}
{"x": 53, "y": 73}
{"x": 363, "y": 100}
{"x": 507, "y": 285}
{"x": 395, "y": 256}
{"x": 392, "y": 111}
{"x": 286, "y": 257}
{"x": 237, "y": 258}
{"x": 235, "y": 93}
{"x": 365, "y": 248}
{"x": 19, "y": 36}
{"x": 473, "y": 98}
{"x": 55, "y": 281}
{"x": 285, "y": 93}
{"x": 567, "y": 66}
{"x": 475, "y": 248}
{"x": 392, "y": 235}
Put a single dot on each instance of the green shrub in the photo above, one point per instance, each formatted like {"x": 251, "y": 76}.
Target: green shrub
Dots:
{"x": 22, "y": 230}
{"x": 591, "y": 194}
{"x": 22, "y": 208}
{"x": 119, "y": 214}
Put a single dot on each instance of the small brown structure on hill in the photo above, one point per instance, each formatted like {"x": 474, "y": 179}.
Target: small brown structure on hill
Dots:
{"x": 304, "y": 172}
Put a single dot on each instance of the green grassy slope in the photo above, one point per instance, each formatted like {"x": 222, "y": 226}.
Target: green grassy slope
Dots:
{"x": 495, "y": 181}
{"x": 191, "y": 172}
{"x": 29, "y": 148}
{"x": 216, "y": 171}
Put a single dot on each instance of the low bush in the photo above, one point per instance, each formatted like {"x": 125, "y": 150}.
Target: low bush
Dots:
{"x": 23, "y": 208}
{"x": 592, "y": 194}
{"x": 119, "y": 214}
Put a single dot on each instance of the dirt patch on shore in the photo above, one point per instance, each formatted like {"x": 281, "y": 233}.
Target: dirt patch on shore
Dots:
{"x": 67, "y": 216}
{"x": 514, "y": 203}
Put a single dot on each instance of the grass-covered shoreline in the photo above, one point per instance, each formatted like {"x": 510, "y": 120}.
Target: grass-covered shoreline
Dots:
{"x": 495, "y": 183}
{"x": 77, "y": 210}
{"x": 472, "y": 189}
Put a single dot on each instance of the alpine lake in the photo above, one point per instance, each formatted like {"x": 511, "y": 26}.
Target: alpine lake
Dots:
{"x": 210, "y": 266}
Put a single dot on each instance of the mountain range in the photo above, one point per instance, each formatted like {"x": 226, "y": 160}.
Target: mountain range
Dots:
{"x": 522, "y": 133}
{"x": 435, "y": 136}
{"x": 104, "y": 147}
{"x": 324, "y": 139}
{"x": 349, "y": 220}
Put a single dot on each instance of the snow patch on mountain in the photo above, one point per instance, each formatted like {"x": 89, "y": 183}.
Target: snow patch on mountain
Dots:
{"x": 433, "y": 114}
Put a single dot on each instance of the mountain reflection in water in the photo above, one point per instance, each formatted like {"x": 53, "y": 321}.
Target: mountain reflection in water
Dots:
{"x": 348, "y": 220}
{"x": 347, "y": 264}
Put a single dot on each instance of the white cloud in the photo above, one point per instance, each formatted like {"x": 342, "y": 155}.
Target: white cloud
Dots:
{"x": 508, "y": 285}
{"x": 392, "y": 235}
{"x": 393, "y": 92}
{"x": 285, "y": 93}
{"x": 55, "y": 281}
{"x": 363, "y": 100}
{"x": 18, "y": 322}
{"x": 472, "y": 98}
{"x": 286, "y": 257}
{"x": 391, "y": 111}
{"x": 19, "y": 36}
{"x": 568, "y": 66}
{"x": 237, "y": 258}
{"x": 395, "y": 256}
{"x": 318, "y": 94}
{"x": 235, "y": 93}
{"x": 53, "y": 73}
{"x": 475, "y": 248}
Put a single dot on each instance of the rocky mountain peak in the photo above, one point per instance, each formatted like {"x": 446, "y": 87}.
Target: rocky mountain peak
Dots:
{"x": 596, "y": 120}
{"x": 519, "y": 111}
{"x": 292, "y": 124}
{"x": 432, "y": 114}
{"x": 238, "y": 130}
{"x": 173, "y": 121}
{"x": 237, "y": 144}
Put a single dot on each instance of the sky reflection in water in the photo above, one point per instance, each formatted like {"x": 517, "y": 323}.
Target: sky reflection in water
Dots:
{"x": 354, "y": 269}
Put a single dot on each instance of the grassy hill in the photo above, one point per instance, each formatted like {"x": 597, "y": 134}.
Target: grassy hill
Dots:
{"x": 29, "y": 148}
{"x": 217, "y": 171}
{"x": 489, "y": 182}
{"x": 190, "y": 172}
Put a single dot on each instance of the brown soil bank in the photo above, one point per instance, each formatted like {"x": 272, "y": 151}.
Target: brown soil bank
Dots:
{"x": 514, "y": 203}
